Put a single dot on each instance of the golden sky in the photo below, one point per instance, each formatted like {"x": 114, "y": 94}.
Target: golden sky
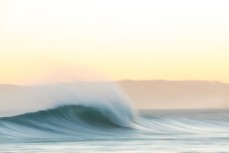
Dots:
{"x": 119, "y": 39}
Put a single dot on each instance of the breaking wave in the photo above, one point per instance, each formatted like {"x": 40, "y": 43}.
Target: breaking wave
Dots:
{"x": 78, "y": 112}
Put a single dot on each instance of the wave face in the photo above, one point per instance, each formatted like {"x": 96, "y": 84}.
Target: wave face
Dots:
{"x": 76, "y": 112}
{"x": 63, "y": 121}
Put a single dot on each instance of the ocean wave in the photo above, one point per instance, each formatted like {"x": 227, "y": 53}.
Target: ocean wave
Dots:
{"x": 64, "y": 111}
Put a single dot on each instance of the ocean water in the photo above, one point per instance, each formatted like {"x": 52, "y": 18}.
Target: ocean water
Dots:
{"x": 84, "y": 118}
{"x": 83, "y": 129}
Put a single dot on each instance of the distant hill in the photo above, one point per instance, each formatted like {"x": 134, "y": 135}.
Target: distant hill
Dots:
{"x": 177, "y": 94}
{"x": 150, "y": 94}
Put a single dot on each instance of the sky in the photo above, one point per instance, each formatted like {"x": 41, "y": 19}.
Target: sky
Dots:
{"x": 115, "y": 39}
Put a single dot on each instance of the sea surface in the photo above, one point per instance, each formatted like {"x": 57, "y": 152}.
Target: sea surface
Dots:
{"x": 85, "y": 129}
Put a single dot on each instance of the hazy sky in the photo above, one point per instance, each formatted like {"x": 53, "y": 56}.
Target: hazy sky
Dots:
{"x": 121, "y": 39}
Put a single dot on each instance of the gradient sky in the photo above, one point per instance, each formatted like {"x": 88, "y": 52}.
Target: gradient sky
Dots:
{"x": 120, "y": 39}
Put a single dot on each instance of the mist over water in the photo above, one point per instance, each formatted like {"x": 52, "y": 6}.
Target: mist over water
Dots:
{"x": 16, "y": 100}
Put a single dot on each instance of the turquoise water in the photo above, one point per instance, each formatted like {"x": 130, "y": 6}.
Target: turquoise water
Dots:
{"x": 71, "y": 129}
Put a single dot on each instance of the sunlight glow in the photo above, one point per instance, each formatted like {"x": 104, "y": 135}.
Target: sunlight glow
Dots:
{"x": 131, "y": 39}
